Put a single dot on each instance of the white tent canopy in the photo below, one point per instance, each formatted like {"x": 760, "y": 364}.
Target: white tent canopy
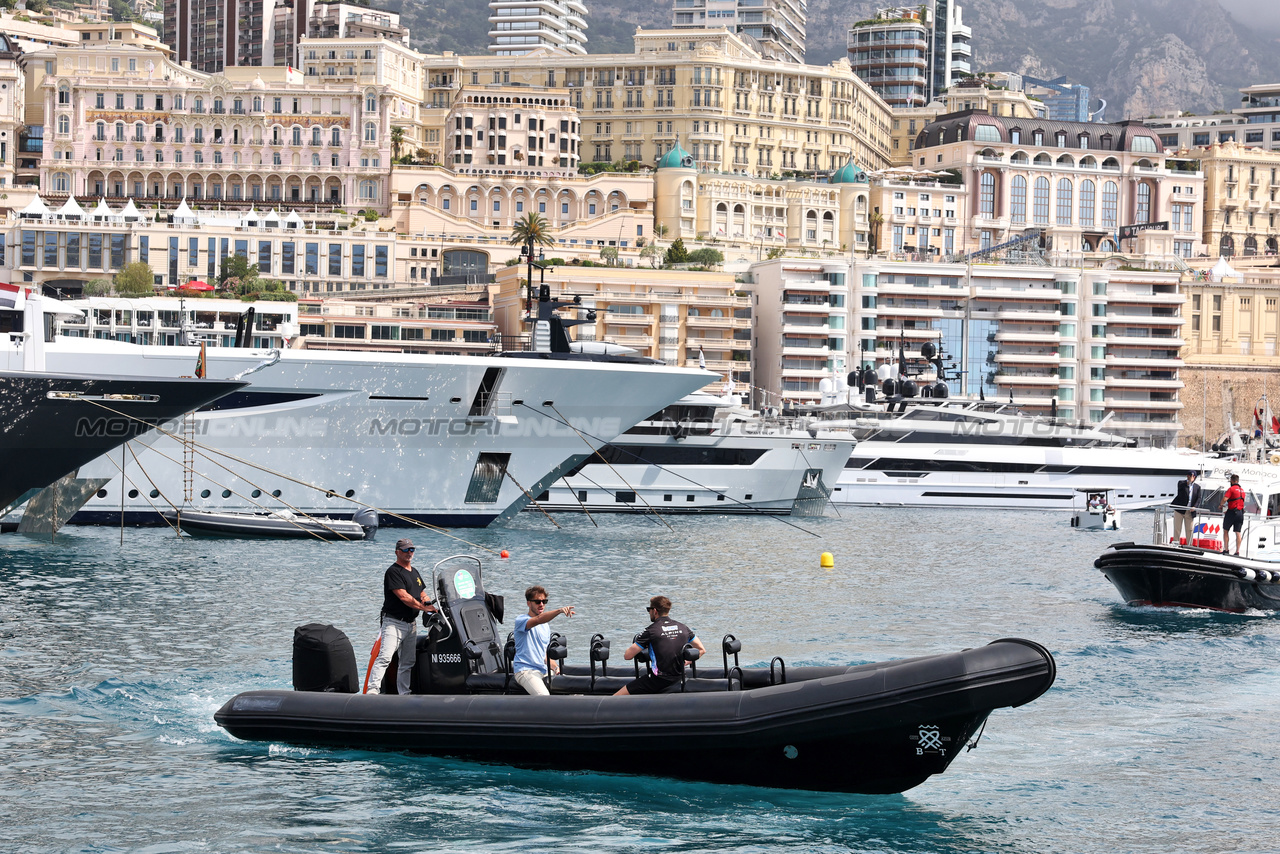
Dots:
{"x": 131, "y": 212}
{"x": 184, "y": 213}
{"x": 36, "y": 207}
{"x": 102, "y": 212}
{"x": 1221, "y": 270}
{"x": 70, "y": 209}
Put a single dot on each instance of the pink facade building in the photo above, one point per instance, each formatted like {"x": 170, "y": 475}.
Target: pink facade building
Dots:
{"x": 128, "y": 123}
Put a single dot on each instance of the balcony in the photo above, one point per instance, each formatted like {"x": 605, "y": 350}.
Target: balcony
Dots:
{"x": 1027, "y": 379}
{"x": 1027, "y": 359}
{"x": 1030, "y": 337}
{"x": 718, "y": 322}
{"x": 1123, "y": 403}
{"x": 622, "y": 319}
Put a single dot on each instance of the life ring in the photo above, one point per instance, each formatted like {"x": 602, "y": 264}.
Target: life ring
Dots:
{"x": 373, "y": 656}
{"x": 1275, "y": 458}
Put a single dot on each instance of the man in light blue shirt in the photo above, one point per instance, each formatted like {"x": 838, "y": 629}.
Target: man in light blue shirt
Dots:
{"x": 532, "y": 636}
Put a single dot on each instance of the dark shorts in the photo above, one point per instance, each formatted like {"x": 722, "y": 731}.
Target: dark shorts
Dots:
{"x": 650, "y": 684}
{"x": 1232, "y": 520}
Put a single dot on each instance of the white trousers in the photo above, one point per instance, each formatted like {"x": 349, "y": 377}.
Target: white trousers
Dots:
{"x": 1183, "y": 520}
{"x": 400, "y": 636}
{"x": 531, "y": 682}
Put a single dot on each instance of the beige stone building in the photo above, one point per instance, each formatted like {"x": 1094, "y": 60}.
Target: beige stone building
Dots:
{"x": 707, "y": 90}
{"x": 1241, "y": 208}
{"x": 672, "y": 315}
{"x": 970, "y": 93}
{"x": 442, "y": 325}
{"x": 1074, "y": 184}
{"x": 371, "y": 59}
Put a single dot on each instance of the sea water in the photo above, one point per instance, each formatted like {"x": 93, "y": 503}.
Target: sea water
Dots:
{"x": 1159, "y": 735}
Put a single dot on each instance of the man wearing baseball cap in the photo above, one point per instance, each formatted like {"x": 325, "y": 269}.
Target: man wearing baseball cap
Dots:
{"x": 403, "y": 595}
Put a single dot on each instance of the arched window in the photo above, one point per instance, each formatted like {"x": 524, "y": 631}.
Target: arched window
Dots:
{"x": 335, "y": 137}
{"x": 139, "y": 132}
{"x": 315, "y": 136}
{"x": 1018, "y": 198}
{"x": 1064, "y": 201}
{"x": 297, "y": 136}
{"x": 1110, "y": 204}
{"x": 100, "y": 132}
{"x": 368, "y": 191}
{"x": 1251, "y": 245}
{"x": 1040, "y": 203}
{"x": 987, "y": 195}
{"x": 1087, "y": 202}
{"x": 370, "y": 132}
{"x": 217, "y": 105}
{"x": 199, "y": 105}
{"x": 64, "y": 94}
{"x": 1143, "y": 143}
{"x": 1144, "y": 200}
{"x": 1226, "y": 246}
{"x": 61, "y": 181}
{"x": 257, "y": 103}
{"x": 371, "y": 103}
{"x": 119, "y": 131}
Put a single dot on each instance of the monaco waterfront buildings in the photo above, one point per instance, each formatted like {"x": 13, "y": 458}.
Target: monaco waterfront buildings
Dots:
{"x": 774, "y": 27}
{"x": 911, "y": 55}
{"x": 520, "y": 27}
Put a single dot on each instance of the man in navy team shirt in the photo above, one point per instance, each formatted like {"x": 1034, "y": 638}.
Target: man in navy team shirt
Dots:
{"x": 664, "y": 640}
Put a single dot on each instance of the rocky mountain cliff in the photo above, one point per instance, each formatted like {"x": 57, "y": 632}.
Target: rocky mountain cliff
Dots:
{"x": 1144, "y": 57}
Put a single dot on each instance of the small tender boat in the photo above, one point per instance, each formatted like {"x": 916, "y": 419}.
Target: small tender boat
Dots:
{"x": 275, "y": 524}
{"x": 871, "y": 728}
{"x": 1201, "y": 574}
{"x": 1098, "y": 513}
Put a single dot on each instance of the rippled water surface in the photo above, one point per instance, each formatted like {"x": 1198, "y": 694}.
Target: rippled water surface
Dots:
{"x": 1159, "y": 735}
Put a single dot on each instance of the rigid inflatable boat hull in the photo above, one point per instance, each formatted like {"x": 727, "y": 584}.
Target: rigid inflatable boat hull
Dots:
{"x": 1169, "y": 576}
{"x": 873, "y": 729}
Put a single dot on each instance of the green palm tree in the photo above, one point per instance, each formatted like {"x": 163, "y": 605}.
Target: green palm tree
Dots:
{"x": 531, "y": 230}
{"x": 876, "y": 220}
{"x": 397, "y": 140}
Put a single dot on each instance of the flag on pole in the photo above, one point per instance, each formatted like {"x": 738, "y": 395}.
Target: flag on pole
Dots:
{"x": 200, "y": 363}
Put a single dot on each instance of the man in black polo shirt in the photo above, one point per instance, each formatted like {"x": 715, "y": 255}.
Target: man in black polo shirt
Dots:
{"x": 664, "y": 640}
{"x": 403, "y": 596}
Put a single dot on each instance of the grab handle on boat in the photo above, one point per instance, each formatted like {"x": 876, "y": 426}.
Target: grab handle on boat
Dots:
{"x": 557, "y": 650}
{"x": 690, "y": 654}
{"x": 508, "y": 661}
{"x": 641, "y": 657}
{"x": 730, "y": 646}
{"x": 729, "y": 676}
{"x": 777, "y": 659}
{"x": 600, "y": 653}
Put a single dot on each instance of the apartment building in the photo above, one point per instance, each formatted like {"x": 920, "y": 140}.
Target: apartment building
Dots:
{"x": 442, "y": 326}
{"x": 517, "y": 27}
{"x": 378, "y": 61}
{"x": 803, "y": 329}
{"x": 806, "y": 216}
{"x": 128, "y": 123}
{"x": 1254, "y": 124}
{"x": 1075, "y": 184}
{"x": 348, "y": 21}
{"x": 911, "y": 55}
{"x": 1240, "y": 186}
{"x": 919, "y": 216}
{"x": 733, "y": 110}
{"x": 678, "y": 316}
{"x": 1233, "y": 320}
{"x": 970, "y": 93}
{"x": 774, "y": 27}
{"x": 214, "y": 34}
{"x": 13, "y": 111}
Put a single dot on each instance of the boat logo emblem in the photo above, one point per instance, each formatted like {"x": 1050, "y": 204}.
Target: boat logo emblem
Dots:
{"x": 790, "y": 751}
{"x": 929, "y": 740}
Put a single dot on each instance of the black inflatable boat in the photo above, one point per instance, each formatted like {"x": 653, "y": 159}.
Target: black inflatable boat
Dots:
{"x": 872, "y": 728}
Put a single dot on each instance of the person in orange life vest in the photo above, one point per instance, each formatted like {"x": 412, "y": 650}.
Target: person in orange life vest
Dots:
{"x": 1233, "y": 500}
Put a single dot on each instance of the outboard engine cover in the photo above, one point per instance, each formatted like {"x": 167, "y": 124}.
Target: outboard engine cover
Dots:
{"x": 323, "y": 660}
{"x": 366, "y": 518}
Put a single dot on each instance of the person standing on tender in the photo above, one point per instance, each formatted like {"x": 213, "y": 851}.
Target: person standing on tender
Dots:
{"x": 403, "y": 595}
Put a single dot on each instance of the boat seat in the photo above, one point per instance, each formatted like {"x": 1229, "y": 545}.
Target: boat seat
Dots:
{"x": 489, "y": 683}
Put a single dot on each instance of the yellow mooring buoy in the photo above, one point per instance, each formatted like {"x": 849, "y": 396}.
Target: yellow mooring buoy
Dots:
{"x": 827, "y": 561}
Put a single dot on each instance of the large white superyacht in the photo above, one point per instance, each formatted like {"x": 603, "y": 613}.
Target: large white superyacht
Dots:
{"x": 707, "y": 454}
{"x": 919, "y": 448}
{"x": 448, "y": 440}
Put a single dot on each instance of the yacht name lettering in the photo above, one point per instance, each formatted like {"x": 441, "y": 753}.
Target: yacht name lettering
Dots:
{"x": 105, "y": 425}
{"x": 483, "y": 426}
